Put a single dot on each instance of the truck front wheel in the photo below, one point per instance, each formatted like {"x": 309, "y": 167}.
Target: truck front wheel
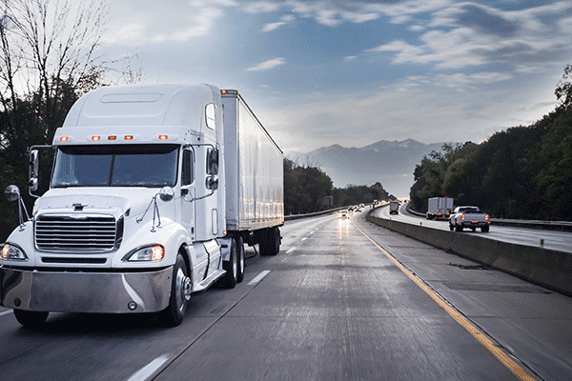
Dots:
{"x": 31, "y": 319}
{"x": 174, "y": 314}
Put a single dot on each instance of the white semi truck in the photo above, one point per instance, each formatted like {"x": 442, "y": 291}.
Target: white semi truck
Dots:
{"x": 154, "y": 191}
{"x": 439, "y": 208}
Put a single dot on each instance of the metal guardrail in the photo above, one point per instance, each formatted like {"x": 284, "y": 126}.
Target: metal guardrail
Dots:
{"x": 298, "y": 216}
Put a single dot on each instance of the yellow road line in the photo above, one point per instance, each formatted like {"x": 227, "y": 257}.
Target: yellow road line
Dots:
{"x": 500, "y": 354}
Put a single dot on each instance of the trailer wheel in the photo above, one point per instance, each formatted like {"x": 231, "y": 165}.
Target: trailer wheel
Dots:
{"x": 231, "y": 267}
{"x": 31, "y": 319}
{"x": 241, "y": 259}
{"x": 270, "y": 242}
{"x": 174, "y": 314}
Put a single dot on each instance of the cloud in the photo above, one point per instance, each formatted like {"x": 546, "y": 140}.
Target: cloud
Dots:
{"x": 163, "y": 22}
{"x": 266, "y": 65}
{"x": 283, "y": 21}
{"x": 468, "y": 35}
{"x": 329, "y": 13}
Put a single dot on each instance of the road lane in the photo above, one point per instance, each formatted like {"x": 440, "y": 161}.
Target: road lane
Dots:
{"x": 533, "y": 324}
{"x": 336, "y": 309}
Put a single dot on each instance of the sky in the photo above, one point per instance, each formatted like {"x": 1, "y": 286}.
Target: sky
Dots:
{"x": 319, "y": 73}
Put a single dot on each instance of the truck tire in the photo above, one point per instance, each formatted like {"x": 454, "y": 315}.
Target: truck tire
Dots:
{"x": 270, "y": 242}
{"x": 459, "y": 228}
{"x": 451, "y": 227}
{"x": 174, "y": 314}
{"x": 241, "y": 259}
{"x": 231, "y": 267}
{"x": 485, "y": 229}
{"x": 31, "y": 319}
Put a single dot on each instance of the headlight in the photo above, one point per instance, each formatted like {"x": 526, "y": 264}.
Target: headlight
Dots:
{"x": 13, "y": 252}
{"x": 152, "y": 253}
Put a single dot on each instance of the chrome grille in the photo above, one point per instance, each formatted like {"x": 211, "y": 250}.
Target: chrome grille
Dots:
{"x": 81, "y": 233}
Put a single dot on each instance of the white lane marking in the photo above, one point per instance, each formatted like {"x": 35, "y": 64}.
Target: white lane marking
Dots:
{"x": 258, "y": 278}
{"x": 6, "y": 312}
{"x": 148, "y": 370}
{"x": 288, "y": 254}
{"x": 305, "y": 238}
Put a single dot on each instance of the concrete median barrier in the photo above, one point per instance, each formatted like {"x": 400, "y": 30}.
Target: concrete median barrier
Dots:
{"x": 549, "y": 268}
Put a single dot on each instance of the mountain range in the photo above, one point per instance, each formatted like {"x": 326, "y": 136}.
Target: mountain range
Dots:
{"x": 389, "y": 162}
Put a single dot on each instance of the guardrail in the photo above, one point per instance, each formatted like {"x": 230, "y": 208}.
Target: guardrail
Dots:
{"x": 298, "y": 216}
{"x": 531, "y": 224}
{"x": 549, "y": 268}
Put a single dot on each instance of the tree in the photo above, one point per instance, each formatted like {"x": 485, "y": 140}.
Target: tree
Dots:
{"x": 563, "y": 89}
{"x": 48, "y": 59}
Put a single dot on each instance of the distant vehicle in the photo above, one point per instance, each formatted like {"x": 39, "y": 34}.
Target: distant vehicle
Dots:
{"x": 394, "y": 207}
{"x": 344, "y": 214}
{"x": 439, "y": 208}
{"x": 469, "y": 217}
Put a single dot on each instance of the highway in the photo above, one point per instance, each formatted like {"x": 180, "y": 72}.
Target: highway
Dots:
{"x": 343, "y": 300}
{"x": 555, "y": 240}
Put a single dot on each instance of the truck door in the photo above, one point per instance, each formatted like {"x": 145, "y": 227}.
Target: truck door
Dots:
{"x": 188, "y": 190}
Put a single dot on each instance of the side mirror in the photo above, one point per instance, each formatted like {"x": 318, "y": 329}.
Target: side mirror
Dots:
{"x": 12, "y": 193}
{"x": 212, "y": 183}
{"x": 166, "y": 194}
{"x": 33, "y": 165}
{"x": 212, "y": 161}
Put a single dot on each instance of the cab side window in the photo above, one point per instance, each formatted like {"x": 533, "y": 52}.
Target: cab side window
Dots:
{"x": 188, "y": 160}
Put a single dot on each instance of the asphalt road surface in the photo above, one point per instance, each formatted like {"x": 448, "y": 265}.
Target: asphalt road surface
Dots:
{"x": 343, "y": 300}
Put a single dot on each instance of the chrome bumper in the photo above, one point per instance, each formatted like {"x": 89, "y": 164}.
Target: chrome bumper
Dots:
{"x": 103, "y": 292}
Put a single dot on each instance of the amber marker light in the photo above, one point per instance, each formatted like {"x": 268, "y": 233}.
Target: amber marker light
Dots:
{"x": 223, "y": 92}
{"x": 163, "y": 137}
{"x": 96, "y": 138}
{"x": 112, "y": 137}
{"x": 64, "y": 139}
{"x": 128, "y": 137}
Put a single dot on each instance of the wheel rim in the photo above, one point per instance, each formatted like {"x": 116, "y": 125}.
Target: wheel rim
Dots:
{"x": 183, "y": 289}
{"x": 241, "y": 260}
{"x": 235, "y": 267}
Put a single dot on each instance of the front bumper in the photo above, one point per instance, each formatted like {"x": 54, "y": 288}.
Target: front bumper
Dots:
{"x": 67, "y": 291}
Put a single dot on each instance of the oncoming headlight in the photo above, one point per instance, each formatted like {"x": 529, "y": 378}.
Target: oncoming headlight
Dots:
{"x": 11, "y": 252}
{"x": 152, "y": 253}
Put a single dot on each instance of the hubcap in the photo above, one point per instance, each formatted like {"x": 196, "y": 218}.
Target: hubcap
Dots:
{"x": 183, "y": 289}
{"x": 241, "y": 260}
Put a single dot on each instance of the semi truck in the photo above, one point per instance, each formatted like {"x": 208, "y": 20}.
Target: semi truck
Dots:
{"x": 439, "y": 208}
{"x": 153, "y": 193}
{"x": 393, "y": 207}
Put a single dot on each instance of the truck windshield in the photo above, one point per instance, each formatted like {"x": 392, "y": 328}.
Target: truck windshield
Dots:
{"x": 116, "y": 165}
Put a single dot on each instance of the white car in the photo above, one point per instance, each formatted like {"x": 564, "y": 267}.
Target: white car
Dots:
{"x": 469, "y": 217}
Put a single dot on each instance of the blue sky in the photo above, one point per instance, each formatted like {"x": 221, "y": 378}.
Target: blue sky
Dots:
{"x": 319, "y": 73}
